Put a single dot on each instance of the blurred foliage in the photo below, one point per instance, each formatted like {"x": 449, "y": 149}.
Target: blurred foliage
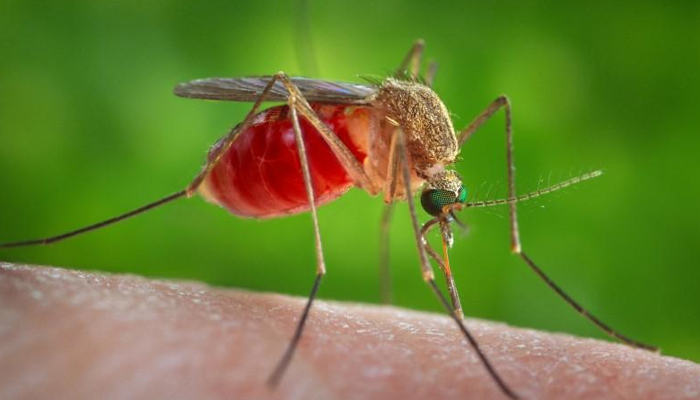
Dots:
{"x": 89, "y": 129}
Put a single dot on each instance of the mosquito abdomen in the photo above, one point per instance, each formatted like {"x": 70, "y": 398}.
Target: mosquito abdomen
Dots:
{"x": 260, "y": 175}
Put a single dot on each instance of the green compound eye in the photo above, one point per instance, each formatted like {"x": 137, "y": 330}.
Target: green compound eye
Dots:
{"x": 433, "y": 200}
{"x": 462, "y": 197}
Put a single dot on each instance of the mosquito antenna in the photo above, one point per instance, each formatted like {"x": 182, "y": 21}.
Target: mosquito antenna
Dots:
{"x": 98, "y": 225}
{"x": 537, "y": 193}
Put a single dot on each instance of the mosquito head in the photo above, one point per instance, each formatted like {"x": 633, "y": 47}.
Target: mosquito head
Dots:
{"x": 444, "y": 189}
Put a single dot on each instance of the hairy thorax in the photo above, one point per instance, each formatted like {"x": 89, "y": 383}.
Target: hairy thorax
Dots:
{"x": 418, "y": 111}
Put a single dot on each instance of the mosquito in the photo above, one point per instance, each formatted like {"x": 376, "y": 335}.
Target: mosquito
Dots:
{"x": 392, "y": 136}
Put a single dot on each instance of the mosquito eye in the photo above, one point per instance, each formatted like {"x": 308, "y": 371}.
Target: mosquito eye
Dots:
{"x": 433, "y": 200}
{"x": 462, "y": 196}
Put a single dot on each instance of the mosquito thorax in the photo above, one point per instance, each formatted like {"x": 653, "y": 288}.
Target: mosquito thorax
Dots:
{"x": 442, "y": 190}
{"x": 424, "y": 119}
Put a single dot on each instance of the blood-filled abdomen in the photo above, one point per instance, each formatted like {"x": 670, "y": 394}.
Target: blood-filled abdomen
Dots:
{"x": 260, "y": 175}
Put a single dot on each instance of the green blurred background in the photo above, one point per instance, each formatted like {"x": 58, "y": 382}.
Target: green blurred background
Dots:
{"x": 89, "y": 129}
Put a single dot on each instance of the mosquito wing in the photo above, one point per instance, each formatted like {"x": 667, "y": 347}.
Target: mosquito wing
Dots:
{"x": 250, "y": 88}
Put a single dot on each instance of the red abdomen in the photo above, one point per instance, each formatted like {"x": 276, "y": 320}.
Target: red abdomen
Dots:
{"x": 260, "y": 175}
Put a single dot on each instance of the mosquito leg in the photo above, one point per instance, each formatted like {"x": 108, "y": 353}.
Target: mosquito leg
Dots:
{"x": 299, "y": 106}
{"x": 390, "y": 185}
{"x": 98, "y": 225}
{"x": 384, "y": 266}
{"x": 411, "y": 63}
{"x": 429, "y": 276}
{"x": 465, "y": 134}
{"x": 212, "y": 159}
{"x": 515, "y": 244}
{"x": 320, "y": 263}
{"x": 341, "y": 151}
{"x": 391, "y": 181}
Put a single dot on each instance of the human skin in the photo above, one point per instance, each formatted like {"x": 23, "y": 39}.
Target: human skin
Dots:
{"x": 68, "y": 334}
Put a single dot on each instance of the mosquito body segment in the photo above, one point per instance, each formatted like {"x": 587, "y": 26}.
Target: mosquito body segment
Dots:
{"x": 258, "y": 176}
{"x": 423, "y": 117}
